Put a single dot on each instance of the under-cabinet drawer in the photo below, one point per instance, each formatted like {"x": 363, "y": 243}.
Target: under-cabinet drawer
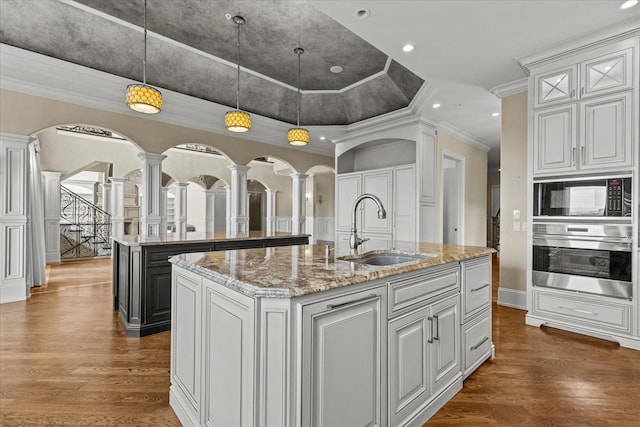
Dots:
{"x": 476, "y": 285}
{"x": 582, "y": 311}
{"x": 413, "y": 289}
{"x": 476, "y": 342}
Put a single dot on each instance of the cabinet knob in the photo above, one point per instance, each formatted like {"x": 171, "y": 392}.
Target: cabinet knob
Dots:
{"x": 573, "y": 93}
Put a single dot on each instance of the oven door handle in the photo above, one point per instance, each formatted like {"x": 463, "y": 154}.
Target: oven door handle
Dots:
{"x": 582, "y": 243}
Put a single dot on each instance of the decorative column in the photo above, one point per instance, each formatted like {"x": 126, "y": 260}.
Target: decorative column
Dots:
{"x": 271, "y": 211}
{"x": 51, "y": 189}
{"x": 150, "y": 217}
{"x": 298, "y": 217}
{"x": 163, "y": 210}
{"x": 106, "y": 198}
{"x": 180, "y": 207}
{"x": 238, "y": 213}
{"x": 117, "y": 207}
{"x": 210, "y": 209}
{"x": 14, "y": 164}
{"x": 227, "y": 226}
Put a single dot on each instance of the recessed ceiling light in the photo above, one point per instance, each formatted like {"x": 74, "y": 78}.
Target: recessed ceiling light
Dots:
{"x": 336, "y": 69}
{"x": 407, "y": 47}
{"x": 495, "y": 114}
{"x": 362, "y": 13}
{"x": 436, "y": 105}
{"x": 322, "y": 138}
{"x": 628, "y": 4}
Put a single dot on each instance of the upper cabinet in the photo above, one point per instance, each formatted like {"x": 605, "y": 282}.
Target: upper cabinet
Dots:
{"x": 583, "y": 111}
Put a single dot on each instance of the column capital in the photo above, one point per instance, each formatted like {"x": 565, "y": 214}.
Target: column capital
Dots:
{"x": 299, "y": 176}
{"x": 117, "y": 180}
{"x": 105, "y": 184}
{"x": 181, "y": 184}
{"x": 238, "y": 168}
{"x": 52, "y": 174}
{"x": 270, "y": 191}
{"x": 153, "y": 157}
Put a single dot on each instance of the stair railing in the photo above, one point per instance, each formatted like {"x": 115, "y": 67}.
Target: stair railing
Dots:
{"x": 85, "y": 229}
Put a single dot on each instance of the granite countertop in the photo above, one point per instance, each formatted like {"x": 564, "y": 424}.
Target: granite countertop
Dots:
{"x": 292, "y": 271}
{"x": 197, "y": 237}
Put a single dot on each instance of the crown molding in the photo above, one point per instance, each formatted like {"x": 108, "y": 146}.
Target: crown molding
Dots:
{"x": 623, "y": 30}
{"x": 462, "y": 136}
{"x": 39, "y": 75}
{"x": 510, "y": 88}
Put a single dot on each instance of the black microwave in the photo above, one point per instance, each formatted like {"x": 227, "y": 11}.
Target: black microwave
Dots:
{"x": 597, "y": 197}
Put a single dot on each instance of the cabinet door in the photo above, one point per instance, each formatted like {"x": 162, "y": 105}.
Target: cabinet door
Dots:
{"x": 606, "y": 132}
{"x": 378, "y": 183}
{"x": 445, "y": 349}
{"x": 554, "y": 136}
{"x": 342, "y": 364}
{"x": 156, "y": 295}
{"x": 404, "y": 204}
{"x": 555, "y": 87}
{"x": 409, "y": 364}
{"x": 347, "y": 189}
{"x": 612, "y": 72}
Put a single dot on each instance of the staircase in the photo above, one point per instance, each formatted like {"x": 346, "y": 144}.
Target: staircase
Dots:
{"x": 85, "y": 229}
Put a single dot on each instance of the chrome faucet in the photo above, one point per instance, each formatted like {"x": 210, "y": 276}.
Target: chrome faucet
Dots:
{"x": 354, "y": 240}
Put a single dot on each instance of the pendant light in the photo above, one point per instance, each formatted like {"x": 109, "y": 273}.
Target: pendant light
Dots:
{"x": 142, "y": 97}
{"x": 238, "y": 121}
{"x": 298, "y": 136}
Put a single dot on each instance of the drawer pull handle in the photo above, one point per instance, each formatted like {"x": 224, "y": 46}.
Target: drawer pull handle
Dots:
{"x": 577, "y": 310}
{"x": 482, "y": 341}
{"x": 367, "y": 298}
{"x": 437, "y": 328}
{"x": 430, "y": 340}
{"x": 481, "y": 287}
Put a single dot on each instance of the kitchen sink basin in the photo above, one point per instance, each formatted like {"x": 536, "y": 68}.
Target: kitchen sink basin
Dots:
{"x": 385, "y": 258}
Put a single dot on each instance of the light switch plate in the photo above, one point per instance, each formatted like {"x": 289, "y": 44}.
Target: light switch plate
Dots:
{"x": 516, "y": 225}
{"x": 516, "y": 214}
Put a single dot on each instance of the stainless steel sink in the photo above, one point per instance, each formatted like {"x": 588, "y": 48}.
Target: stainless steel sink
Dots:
{"x": 385, "y": 258}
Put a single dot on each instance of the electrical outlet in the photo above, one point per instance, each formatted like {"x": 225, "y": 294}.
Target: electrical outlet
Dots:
{"x": 524, "y": 226}
{"x": 516, "y": 225}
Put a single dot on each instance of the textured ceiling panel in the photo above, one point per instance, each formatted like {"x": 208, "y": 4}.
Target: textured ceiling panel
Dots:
{"x": 196, "y": 54}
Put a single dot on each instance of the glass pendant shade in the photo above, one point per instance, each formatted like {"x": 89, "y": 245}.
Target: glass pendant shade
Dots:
{"x": 298, "y": 136}
{"x": 237, "y": 121}
{"x": 144, "y": 99}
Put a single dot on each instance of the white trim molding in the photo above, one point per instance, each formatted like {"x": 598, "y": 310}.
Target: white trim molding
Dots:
{"x": 512, "y": 298}
{"x": 510, "y": 88}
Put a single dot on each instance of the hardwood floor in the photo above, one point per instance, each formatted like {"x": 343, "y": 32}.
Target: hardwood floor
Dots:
{"x": 65, "y": 361}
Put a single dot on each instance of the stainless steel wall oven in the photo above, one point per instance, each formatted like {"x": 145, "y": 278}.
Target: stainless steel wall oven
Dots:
{"x": 588, "y": 258}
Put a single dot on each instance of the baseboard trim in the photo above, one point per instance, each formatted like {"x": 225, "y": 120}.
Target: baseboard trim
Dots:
{"x": 512, "y": 298}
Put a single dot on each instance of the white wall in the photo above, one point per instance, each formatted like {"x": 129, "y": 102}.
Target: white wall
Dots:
{"x": 196, "y": 207}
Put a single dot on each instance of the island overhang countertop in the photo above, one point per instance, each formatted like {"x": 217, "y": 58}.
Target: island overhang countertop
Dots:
{"x": 293, "y": 271}
{"x": 199, "y": 237}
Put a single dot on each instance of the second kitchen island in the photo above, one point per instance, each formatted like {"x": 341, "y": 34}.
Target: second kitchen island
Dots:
{"x": 287, "y": 336}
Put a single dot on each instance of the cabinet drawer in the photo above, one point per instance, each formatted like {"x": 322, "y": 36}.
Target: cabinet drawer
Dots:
{"x": 583, "y": 312}
{"x": 476, "y": 285}
{"x": 476, "y": 341}
{"x": 413, "y": 289}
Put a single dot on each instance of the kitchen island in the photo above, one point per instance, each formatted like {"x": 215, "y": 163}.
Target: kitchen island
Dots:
{"x": 142, "y": 273}
{"x": 289, "y": 336}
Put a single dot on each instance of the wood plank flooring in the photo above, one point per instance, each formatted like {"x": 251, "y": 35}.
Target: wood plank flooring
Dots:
{"x": 65, "y": 361}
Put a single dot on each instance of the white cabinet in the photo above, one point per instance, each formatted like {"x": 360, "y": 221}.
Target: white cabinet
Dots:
{"x": 424, "y": 343}
{"x": 342, "y": 361}
{"x": 395, "y": 187}
{"x": 554, "y": 133}
{"x": 476, "y": 312}
{"x": 404, "y": 203}
{"x": 583, "y": 113}
{"x": 605, "y": 139}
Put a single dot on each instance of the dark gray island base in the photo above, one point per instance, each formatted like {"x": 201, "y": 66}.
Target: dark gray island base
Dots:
{"x": 142, "y": 272}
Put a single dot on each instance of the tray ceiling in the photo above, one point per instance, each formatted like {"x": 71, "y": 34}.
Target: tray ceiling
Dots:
{"x": 191, "y": 49}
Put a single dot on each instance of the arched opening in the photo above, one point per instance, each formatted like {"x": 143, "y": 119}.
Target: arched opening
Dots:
{"x": 257, "y": 205}
{"x": 320, "y": 203}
